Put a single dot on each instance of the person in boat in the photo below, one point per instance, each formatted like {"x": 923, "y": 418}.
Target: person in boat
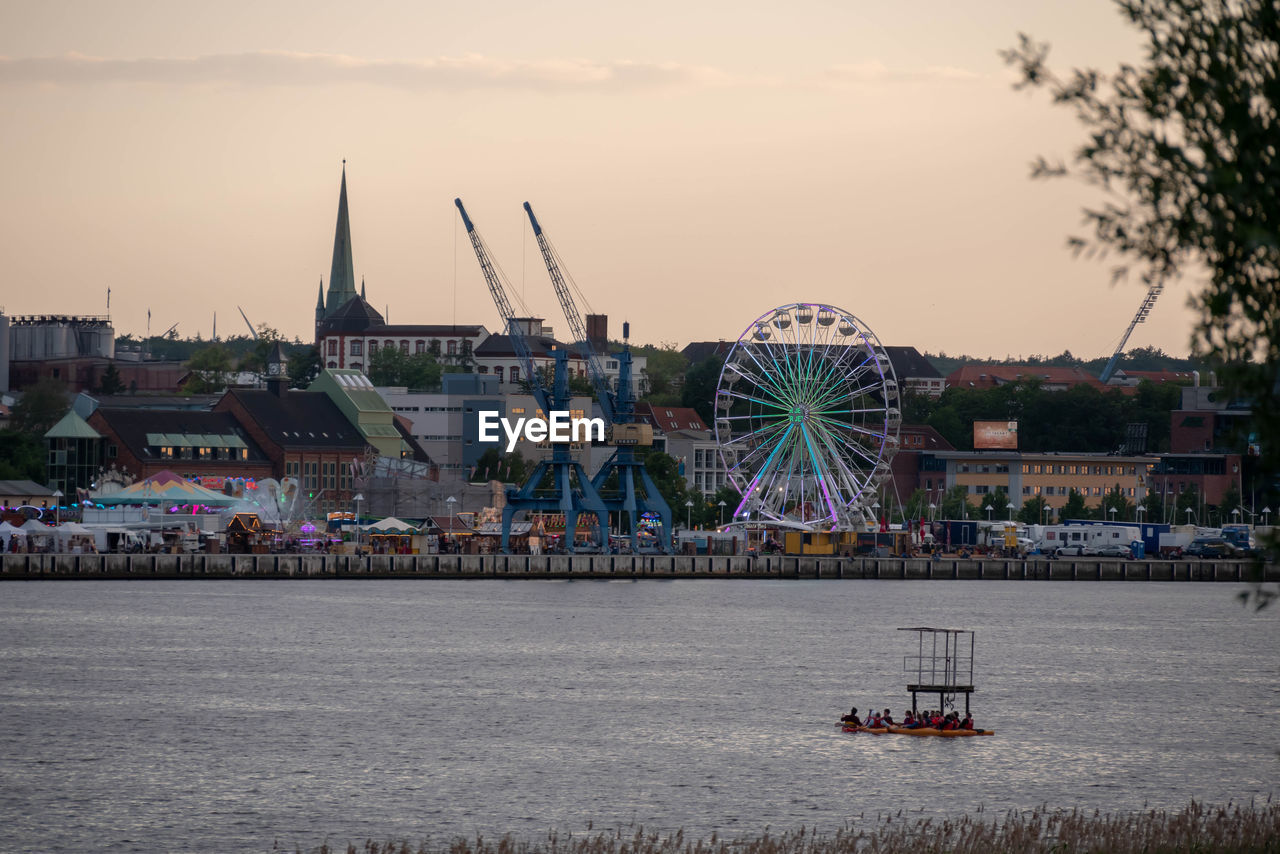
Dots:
{"x": 967, "y": 722}
{"x": 909, "y": 721}
{"x": 935, "y": 720}
{"x": 873, "y": 721}
{"x": 886, "y": 718}
{"x": 852, "y": 718}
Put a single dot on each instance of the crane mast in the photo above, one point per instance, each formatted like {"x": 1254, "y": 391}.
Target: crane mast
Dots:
{"x": 571, "y": 314}
{"x": 570, "y": 491}
{"x": 499, "y": 293}
{"x": 633, "y": 492}
{"x": 1148, "y": 303}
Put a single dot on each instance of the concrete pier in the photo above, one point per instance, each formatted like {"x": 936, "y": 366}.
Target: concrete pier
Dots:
{"x": 19, "y": 567}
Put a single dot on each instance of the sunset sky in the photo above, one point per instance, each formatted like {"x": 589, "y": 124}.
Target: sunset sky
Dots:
{"x": 696, "y": 164}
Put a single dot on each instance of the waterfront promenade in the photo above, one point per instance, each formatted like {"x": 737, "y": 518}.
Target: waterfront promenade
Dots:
{"x": 178, "y": 566}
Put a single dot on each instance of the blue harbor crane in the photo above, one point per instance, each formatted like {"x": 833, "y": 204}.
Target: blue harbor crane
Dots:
{"x": 618, "y": 406}
{"x": 571, "y": 492}
{"x": 1148, "y": 303}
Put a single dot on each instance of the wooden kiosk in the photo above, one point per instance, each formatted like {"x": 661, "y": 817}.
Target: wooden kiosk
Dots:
{"x": 942, "y": 665}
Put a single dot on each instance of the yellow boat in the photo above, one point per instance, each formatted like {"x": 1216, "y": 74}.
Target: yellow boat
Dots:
{"x": 919, "y": 731}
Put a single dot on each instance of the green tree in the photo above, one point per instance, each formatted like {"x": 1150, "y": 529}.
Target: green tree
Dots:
{"x": 22, "y": 456}
{"x": 1188, "y": 499}
{"x": 389, "y": 366}
{"x": 110, "y": 382}
{"x": 699, "y": 388}
{"x": 955, "y": 504}
{"x": 998, "y": 501}
{"x": 663, "y": 372}
{"x": 1184, "y": 144}
{"x": 1230, "y": 501}
{"x": 1115, "y": 499}
{"x": 495, "y": 465}
{"x": 304, "y": 366}
{"x": 1032, "y": 512}
{"x": 1154, "y": 507}
{"x": 42, "y": 405}
{"x": 210, "y": 367}
{"x": 1075, "y": 507}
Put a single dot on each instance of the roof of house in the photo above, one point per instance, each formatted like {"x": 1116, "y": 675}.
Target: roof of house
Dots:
{"x": 427, "y": 330}
{"x": 669, "y": 418}
{"x": 24, "y": 487}
{"x": 140, "y": 430}
{"x": 354, "y": 315}
{"x": 987, "y": 376}
{"x": 541, "y": 346}
{"x": 909, "y": 362}
{"x": 305, "y": 419}
{"x": 72, "y": 426}
{"x": 696, "y": 351}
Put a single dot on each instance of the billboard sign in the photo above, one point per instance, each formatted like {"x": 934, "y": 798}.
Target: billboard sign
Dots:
{"x": 1001, "y": 435}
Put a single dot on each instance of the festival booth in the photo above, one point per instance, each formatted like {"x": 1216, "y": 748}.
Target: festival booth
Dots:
{"x": 391, "y": 536}
{"x": 246, "y": 535}
{"x": 188, "y": 511}
{"x": 488, "y": 537}
{"x": 455, "y": 534}
{"x": 12, "y": 536}
{"x": 74, "y": 538}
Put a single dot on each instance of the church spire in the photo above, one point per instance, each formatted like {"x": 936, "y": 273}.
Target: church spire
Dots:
{"x": 342, "y": 277}
{"x": 362, "y": 296}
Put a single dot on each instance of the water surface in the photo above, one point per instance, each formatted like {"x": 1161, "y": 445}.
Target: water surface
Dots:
{"x": 226, "y": 715}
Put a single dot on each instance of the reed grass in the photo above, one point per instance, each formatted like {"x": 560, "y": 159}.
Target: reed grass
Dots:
{"x": 1230, "y": 829}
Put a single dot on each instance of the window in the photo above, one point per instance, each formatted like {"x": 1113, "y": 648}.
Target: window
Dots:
{"x": 434, "y": 347}
{"x": 357, "y": 348}
{"x": 419, "y": 347}
{"x": 1037, "y": 469}
{"x": 515, "y": 372}
{"x": 1071, "y": 469}
{"x": 373, "y": 347}
{"x": 111, "y": 451}
{"x": 497, "y": 372}
{"x": 331, "y": 347}
{"x": 453, "y": 348}
{"x": 404, "y": 347}
{"x": 388, "y": 344}
{"x": 483, "y": 369}
{"x": 466, "y": 347}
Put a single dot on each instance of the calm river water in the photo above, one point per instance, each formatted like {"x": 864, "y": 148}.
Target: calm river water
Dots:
{"x": 227, "y": 715}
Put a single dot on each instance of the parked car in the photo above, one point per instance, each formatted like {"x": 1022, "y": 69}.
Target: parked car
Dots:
{"x": 1115, "y": 550}
{"x": 1209, "y": 547}
{"x": 1082, "y": 551}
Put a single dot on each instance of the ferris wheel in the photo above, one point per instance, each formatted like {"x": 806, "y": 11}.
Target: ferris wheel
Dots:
{"x": 807, "y": 418}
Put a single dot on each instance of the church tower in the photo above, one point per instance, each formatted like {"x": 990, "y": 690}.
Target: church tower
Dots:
{"x": 342, "y": 276}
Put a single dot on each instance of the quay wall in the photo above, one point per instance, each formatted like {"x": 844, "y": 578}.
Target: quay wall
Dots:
{"x": 19, "y": 567}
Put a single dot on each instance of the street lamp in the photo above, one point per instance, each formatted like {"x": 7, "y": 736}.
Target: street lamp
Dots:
{"x": 57, "y": 507}
{"x": 451, "y": 501}
{"x": 688, "y": 515}
{"x": 987, "y": 507}
{"x": 1189, "y": 515}
{"x": 357, "y": 498}
{"x": 721, "y": 504}
{"x": 1266, "y": 515}
{"x": 1044, "y": 511}
{"x": 932, "y": 507}
{"x": 1136, "y": 510}
{"x": 1112, "y": 511}
{"x": 1236, "y": 514}
{"x": 1009, "y": 507}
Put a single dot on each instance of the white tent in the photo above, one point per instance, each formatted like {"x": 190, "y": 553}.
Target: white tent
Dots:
{"x": 391, "y": 525}
{"x": 8, "y": 530}
{"x": 32, "y": 528}
{"x": 67, "y": 530}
